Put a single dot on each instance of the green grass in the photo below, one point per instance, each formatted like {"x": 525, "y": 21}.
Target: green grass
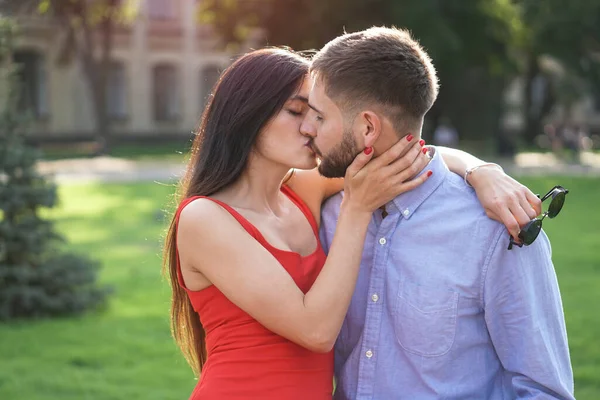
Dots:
{"x": 575, "y": 237}
{"x": 126, "y": 352}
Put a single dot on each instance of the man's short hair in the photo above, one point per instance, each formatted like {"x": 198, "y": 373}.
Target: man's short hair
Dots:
{"x": 383, "y": 67}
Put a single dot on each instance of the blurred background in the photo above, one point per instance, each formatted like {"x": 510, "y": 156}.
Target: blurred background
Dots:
{"x": 100, "y": 100}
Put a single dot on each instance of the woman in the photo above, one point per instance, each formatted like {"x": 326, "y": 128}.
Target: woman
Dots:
{"x": 256, "y": 304}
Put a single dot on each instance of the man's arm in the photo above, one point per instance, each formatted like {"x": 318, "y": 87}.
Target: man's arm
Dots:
{"x": 525, "y": 319}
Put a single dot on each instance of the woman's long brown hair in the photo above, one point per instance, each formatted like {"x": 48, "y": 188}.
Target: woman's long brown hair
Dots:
{"x": 248, "y": 94}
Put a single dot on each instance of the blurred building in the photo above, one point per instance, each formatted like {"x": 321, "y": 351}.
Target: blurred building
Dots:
{"x": 164, "y": 65}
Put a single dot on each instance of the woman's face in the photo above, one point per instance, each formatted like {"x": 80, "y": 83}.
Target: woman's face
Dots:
{"x": 281, "y": 141}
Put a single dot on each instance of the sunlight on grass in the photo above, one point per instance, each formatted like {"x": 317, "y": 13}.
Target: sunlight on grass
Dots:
{"x": 126, "y": 350}
{"x": 575, "y": 236}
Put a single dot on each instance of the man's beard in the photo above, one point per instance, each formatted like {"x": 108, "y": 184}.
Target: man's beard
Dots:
{"x": 335, "y": 163}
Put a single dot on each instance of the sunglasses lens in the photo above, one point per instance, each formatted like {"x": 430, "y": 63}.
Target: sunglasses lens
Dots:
{"x": 558, "y": 200}
{"x": 531, "y": 231}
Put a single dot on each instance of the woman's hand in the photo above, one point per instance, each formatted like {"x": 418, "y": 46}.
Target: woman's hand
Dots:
{"x": 504, "y": 199}
{"x": 369, "y": 185}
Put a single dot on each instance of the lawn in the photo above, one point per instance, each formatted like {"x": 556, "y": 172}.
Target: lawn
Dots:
{"x": 126, "y": 352}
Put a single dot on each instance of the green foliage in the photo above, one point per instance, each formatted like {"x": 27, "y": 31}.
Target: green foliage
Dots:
{"x": 569, "y": 31}
{"x": 477, "y": 46}
{"x": 468, "y": 41}
{"x": 93, "y": 12}
{"x": 36, "y": 279}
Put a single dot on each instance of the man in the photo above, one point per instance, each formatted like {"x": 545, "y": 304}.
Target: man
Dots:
{"x": 441, "y": 309}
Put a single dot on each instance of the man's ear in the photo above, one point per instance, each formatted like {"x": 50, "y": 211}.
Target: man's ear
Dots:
{"x": 369, "y": 127}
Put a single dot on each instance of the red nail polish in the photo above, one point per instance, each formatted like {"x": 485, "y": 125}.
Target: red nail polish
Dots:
{"x": 409, "y": 137}
{"x": 422, "y": 142}
{"x": 368, "y": 150}
{"x": 429, "y": 173}
{"x": 425, "y": 150}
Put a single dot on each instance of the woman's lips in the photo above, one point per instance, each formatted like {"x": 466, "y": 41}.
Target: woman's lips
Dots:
{"x": 312, "y": 148}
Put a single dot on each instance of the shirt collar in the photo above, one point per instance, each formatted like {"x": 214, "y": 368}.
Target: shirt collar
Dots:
{"x": 407, "y": 203}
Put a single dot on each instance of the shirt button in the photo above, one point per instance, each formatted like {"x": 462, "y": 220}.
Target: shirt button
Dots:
{"x": 369, "y": 354}
{"x": 374, "y": 297}
{"x": 406, "y": 212}
{"x": 382, "y": 241}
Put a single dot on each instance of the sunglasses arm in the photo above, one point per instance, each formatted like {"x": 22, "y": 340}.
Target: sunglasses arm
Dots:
{"x": 552, "y": 191}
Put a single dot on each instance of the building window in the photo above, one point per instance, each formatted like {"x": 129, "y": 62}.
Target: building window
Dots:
{"x": 208, "y": 78}
{"x": 161, "y": 9}
{"x": 116, "y": 91}
{"x": 32, "y": 83}
{"x": 166, "y": 93}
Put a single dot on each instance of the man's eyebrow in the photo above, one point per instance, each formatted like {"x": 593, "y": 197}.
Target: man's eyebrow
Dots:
{"x": 315, "y": 108}
{"x": 305, "y": 100}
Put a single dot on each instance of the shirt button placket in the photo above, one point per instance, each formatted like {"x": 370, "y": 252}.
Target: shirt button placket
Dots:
{"x": 373, "y": 316}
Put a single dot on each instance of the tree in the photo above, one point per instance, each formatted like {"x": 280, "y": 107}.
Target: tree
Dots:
{"x": 88, "y": 28}
{"x": 36, "y": 278}
{"x": 469, "y": 41}
{"x": 569, "y": 32}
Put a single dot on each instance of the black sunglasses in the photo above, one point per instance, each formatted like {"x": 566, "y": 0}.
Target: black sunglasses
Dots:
{"x": 533, "y": 228}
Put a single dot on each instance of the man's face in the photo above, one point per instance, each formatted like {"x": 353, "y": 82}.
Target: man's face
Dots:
{"x": 333, "y": 139}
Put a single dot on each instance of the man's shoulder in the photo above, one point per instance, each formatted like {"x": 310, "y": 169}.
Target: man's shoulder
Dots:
{"x": 457, "y": 199}
{"x": 464, "y": 196}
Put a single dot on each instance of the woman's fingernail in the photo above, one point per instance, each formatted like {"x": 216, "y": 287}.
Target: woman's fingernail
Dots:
{"x": 422, "y": 142}
{"x": 368, "y": 150}
{"x": 425, "y": 150}
{"x": 409, "y": 137}
{"x": 429, "y": 173}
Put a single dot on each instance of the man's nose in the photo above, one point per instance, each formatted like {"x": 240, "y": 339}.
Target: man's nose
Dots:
{"x": 307, "y": 129}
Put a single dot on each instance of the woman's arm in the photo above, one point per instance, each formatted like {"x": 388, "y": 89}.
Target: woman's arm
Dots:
{"x": 211, "y": 242}
{"x": 503, "y": 198}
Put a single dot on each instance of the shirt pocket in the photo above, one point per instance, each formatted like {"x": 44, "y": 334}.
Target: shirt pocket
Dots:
{"x": 425, "y": 319}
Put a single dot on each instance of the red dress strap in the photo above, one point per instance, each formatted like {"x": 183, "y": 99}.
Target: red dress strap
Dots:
{"x": 302, "y": 206}
{"x": 243, "y": 221}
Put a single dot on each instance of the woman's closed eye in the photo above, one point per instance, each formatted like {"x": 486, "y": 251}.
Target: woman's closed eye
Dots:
{"x": 295, "y": 112}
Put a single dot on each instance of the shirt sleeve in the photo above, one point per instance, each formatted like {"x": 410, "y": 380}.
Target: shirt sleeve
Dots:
{"x": 525, "y": 319}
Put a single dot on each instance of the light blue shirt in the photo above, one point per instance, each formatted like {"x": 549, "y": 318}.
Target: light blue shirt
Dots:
{"x": 442, "y": 310}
